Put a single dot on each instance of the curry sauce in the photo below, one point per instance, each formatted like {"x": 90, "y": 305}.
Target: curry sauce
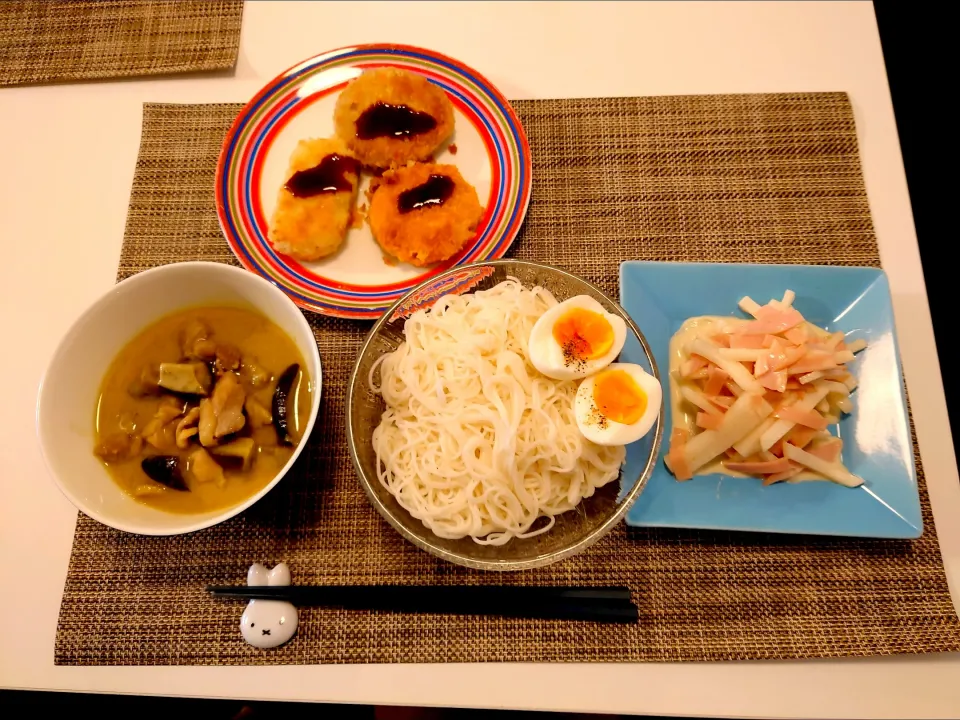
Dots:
{"x": 202, "y": 409}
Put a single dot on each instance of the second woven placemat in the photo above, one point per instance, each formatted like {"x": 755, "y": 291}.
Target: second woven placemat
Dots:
{"x": 754, "y": 178}
{"x": 46, "y": 41}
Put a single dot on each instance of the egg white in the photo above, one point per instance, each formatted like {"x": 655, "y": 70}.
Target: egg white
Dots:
{"x": 610, "y": 432}
{"x": 545, "y": 352}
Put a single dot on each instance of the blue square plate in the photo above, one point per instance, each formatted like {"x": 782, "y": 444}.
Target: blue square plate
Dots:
{"x": 877, "y": 446}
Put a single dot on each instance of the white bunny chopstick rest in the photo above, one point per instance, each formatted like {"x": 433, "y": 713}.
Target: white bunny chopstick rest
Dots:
{"x": 268, "y": 623}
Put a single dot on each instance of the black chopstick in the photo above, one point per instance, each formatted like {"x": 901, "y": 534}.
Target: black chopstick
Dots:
{"x": 599, "y": 604}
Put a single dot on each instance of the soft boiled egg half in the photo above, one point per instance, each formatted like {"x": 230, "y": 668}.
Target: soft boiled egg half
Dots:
{"x": 575, "y": 339}
{"x": 618, "y": 405}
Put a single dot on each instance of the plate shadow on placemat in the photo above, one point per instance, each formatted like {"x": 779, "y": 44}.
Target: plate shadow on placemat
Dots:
{"x": 745, "y": 178}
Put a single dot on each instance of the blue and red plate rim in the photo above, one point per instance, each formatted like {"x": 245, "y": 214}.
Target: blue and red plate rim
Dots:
{"x": 506, "y": 143}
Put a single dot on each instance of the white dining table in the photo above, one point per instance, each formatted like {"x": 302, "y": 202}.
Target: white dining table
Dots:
{"x": 68, "y": 152}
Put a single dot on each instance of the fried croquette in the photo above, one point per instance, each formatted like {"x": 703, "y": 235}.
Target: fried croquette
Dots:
{"x": 424, "y": 213}
{"x": 391, "y": 117}
{"x": 315, "y": 205}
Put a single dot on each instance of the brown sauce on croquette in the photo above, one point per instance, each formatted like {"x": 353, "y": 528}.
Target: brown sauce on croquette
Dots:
{"x": 329, "y": 176}
{"x": 398, "y": 121}
{"x": 434, "y": 192}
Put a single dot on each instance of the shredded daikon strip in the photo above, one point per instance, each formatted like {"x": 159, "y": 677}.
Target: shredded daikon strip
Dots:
{"x": 835, "y": 387}
{"x": 833, "y": 471}
{"x": 699, "y": 399}
{"x": 844, "y": 405}
{"x": 742, "y": 354}
{"x": 749, "y": 305}
{"x": 737, "y": 372}
{"x": 750, "y": 445}
{"x": 782, "y": 427}
{"x": 747, "y": 412}
{"x": 734, "y": 389}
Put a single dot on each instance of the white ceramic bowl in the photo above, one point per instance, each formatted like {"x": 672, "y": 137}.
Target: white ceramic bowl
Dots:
{"x": 69, "y": 390}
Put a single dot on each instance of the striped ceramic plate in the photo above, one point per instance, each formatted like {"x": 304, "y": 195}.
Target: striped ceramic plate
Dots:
{"x": 489, "y": 147}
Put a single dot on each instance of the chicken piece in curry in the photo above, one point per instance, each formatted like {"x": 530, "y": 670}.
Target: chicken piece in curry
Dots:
{"x": 202, "y": 409}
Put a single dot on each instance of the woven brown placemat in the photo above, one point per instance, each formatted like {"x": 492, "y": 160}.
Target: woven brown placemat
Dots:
{"x": 46, "y": 41}
{"x": 757, "y": 178}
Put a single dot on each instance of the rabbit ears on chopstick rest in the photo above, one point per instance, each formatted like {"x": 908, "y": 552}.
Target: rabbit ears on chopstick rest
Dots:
{"x": 258, "y": 575}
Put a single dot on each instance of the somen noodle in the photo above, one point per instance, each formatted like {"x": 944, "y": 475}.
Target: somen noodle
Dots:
{"x": 474, "y": 441}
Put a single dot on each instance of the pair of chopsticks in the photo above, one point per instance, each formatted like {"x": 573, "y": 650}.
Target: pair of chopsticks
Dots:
{"x": 596, "y": 604}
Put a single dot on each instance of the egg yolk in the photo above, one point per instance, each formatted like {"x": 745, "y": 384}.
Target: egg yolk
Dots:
{"x": 619, "y": 397}
{"x": 583, "y": 334}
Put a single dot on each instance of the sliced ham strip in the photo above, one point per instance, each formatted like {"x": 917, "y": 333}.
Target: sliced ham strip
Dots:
{"x": 746, "y": 342}
{"x": 797, "y": 335}
{"x": 708, "y": 422}
{"x": 760, "y": 468}
{"x": 771, "y": 321}
{"x": 776, "y": 381}
{"x": 776, "y": 450}
{"x": 761, "y": 366}
{"x": 800, "y": 416}
{"x": 775, "y": 355}
{"x": 782, "y": 426}
{"x": 789, "y": 356}
{"x": 690, "y": 366}
{"x": 800, "y": 436}
{"x": 786, "y": 475}
{"x": 813, "y": 361}
{"x": 828, "y": 451}
{"x": 716, "y": 379}
{"x": 676, "y": 459}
